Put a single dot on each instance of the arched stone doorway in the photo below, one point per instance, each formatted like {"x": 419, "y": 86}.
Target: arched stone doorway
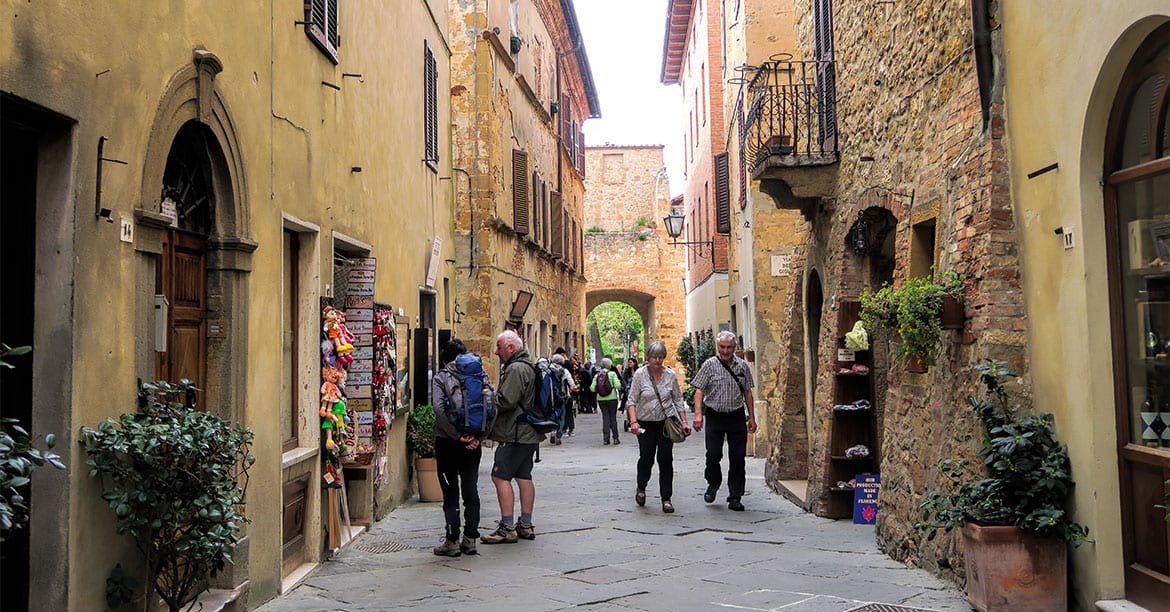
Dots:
{"x": 194, "y": 238}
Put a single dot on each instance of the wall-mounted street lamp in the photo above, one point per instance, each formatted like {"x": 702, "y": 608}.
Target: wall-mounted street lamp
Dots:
{"x": 674, "y": 227}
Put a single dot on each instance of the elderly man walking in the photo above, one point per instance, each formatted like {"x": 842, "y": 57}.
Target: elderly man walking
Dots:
{"x": 723, "y": 391}
{"x": 518, "y": 441}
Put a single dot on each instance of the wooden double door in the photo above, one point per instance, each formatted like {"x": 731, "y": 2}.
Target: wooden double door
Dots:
{"x": 181, "y": 276}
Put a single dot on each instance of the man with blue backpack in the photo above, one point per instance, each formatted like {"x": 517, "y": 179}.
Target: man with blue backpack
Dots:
{"x": 465, "y": 408}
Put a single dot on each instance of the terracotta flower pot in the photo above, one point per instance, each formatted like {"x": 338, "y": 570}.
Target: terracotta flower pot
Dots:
{"x": 1009, "y": 568}
{"x": 952, "y": 312}
{"x": 916, "y": 365}
{"x": 427, "y": 474}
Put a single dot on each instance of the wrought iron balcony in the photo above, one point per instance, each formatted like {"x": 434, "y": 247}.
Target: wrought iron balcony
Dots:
{"x": 790, "y": 116}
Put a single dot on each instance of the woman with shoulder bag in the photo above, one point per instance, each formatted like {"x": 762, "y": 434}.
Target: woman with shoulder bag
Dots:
{"x": 655, "y": 400}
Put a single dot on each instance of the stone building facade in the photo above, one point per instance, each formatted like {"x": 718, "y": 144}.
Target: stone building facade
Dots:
{"x": 260, "y": 133}
{"x": 521, "y": 88}
{"x": 917, "y": 180}
{"x": 692, "y": 59}
{"x": 763, "y": 237}
{"x": 632, "y": 260}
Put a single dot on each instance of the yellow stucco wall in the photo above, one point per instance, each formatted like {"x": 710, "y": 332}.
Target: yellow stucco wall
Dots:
{"x": 1063, "y": 63}
{"x": 106, "y": 67}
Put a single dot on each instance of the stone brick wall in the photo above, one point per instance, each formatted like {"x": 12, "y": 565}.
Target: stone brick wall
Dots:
{"x": 636, "y": 266}
{"x": 624, "y": 185}
{"x": 908, "y": 97}
{"x": 495, "y": 109}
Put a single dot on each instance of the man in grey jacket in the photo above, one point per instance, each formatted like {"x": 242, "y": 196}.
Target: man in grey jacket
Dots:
{"x": 518, "y": 441}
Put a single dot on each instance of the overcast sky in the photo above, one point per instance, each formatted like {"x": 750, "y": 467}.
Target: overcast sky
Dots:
{"x": 623, "y": 39}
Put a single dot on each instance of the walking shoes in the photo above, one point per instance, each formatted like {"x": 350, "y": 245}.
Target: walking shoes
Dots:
{"x": 449, "y": 548}
{"x": 640, "y": 497}
{"x": 504, "y": 534}
{"x": 528, "y": 532}
{"x": 709, "y": 496}
{"x": 467, "y": 546}
{"x": 735, "y": 504}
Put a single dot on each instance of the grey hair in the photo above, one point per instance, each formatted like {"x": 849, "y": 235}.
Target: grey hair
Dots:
{"x": 558, "y": 359}
{"x": 725, "y": 335}
{"x": 606, "y": 363}
{"x": 511, "y": 339}
{"x": 656, "y": 349}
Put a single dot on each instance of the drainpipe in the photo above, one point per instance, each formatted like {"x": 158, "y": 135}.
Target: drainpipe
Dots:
{"x": 984, "y": 69}
{"x": 472, "y": 265}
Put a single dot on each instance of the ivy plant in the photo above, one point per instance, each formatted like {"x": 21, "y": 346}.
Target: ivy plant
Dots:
{"x": 420, "y": 431}
{"x": 1028, "y": 474}
{"x": 18, "y": 459}
{"x": 175, "y": 478}
{"x": 912, "y": 310}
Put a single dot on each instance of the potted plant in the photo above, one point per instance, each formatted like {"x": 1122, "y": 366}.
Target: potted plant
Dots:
{"x": 420, "y": 438}
{"x": 18, "y": 459}
{"x": 175, "y": 478}
{"x": 913, "y": 310}
{"x": 1013, "y": 519}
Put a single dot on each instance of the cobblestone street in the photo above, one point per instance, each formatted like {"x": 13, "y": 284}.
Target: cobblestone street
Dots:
{"x": 595, "y": 549}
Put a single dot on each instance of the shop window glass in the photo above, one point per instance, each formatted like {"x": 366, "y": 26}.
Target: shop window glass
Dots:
{"x": 1143, "y": 212}
{"x": 288, "y": 336}
{"x": 1139, "y": 127}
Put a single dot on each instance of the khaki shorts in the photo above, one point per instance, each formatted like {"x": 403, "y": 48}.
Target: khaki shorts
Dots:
{"x": 513, "y": 461}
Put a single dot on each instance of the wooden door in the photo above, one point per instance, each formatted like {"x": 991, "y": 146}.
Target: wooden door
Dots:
{"x": 182, "y": 277}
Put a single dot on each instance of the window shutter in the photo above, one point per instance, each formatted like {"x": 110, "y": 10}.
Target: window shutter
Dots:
{"x": 558, "y": 227}
{"x": 334, "y": 34}
{"x": 520, "y": 192}
{"x": 548, "y": 217}
{"x": 581, "y": 153}
{"x": 430, "y": 104}
{"x": 722, "y": 195}
{"x": 566, "y": 118}
{"x": 536, "y": 216}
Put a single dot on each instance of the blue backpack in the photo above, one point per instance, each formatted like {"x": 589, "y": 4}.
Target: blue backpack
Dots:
{"x": 478, "y": 409}
{"x": 548, "y": 404}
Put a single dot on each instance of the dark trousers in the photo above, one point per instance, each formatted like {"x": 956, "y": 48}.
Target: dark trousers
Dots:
{"x": 609, "y": 419}
{"x": 654, "y": 441}
{"x": 570, "y": 415}
{"x": 731, "y": 426}
{"x": 459, "y": 472}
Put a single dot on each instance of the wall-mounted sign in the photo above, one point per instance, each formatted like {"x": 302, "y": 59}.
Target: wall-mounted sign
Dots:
{"x": 433, "y": 264}
{"x": 781, "y": 265}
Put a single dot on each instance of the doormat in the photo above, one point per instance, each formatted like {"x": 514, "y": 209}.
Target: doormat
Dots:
{"x": 378, "y": 547}
{"x": 878, "y": 607}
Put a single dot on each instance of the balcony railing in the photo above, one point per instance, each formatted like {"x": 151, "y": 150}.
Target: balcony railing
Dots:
{"x": 791, "y": 113}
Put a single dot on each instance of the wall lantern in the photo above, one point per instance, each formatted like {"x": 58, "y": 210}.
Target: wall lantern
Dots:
{"x": 674, "y": 227}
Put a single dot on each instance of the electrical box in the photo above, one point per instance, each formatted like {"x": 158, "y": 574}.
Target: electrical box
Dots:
{"x": 161, "y": 312}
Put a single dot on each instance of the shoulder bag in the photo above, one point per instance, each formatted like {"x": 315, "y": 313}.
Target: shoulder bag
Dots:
{"x": 742, "y": 391}
{"x": 673, "y": 429}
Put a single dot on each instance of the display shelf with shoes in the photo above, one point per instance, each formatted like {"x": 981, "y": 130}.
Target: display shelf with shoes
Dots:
{"x": 852, "y": 422}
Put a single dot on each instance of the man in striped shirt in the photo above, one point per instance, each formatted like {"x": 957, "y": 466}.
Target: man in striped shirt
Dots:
{"x": 723, "y": 393}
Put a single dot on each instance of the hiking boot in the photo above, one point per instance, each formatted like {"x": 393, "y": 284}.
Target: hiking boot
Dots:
{"x": 467, "y": 546}
{"x": 709, "y": 496}
{"x": 449, "y": 548}
{"x": 504, "y": 534}
{"x": 528, "y": 532}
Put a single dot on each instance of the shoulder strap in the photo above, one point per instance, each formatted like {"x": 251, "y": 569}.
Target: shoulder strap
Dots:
{"x": 672, "y": 411}
{"x": 733, "y": 376}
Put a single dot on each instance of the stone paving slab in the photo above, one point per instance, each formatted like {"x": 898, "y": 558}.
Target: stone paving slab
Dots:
{"x": 596, "y": 550}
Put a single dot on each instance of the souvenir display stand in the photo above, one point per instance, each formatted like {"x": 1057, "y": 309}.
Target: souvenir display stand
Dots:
{"x": 851, "y": 426}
